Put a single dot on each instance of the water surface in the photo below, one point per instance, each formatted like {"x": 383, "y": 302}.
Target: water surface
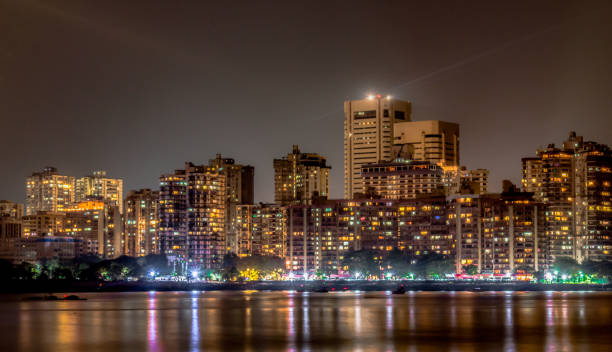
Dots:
{"x": 291, "y": 321}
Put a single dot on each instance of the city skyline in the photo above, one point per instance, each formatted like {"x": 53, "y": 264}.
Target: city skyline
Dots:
{"x": 509, "y": 90}
{"x": 305, "y": 175}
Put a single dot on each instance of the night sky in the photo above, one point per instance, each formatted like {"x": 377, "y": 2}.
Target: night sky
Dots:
{"x": 139, "y": 87}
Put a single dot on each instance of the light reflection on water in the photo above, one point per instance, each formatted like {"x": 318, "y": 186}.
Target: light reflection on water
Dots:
{"x": 293, "y": 321}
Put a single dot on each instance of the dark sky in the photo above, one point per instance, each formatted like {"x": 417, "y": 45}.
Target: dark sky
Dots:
{"x": 139, "y": 87}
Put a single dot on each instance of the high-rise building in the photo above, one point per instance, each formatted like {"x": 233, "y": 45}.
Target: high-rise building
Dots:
{"x": 261, "y": 230}
{"x": 368, "y": 135}
{"x": 49, "y": 191}
{"x": 99, "y": 186}
{"x": 433, "y": 140}
{"x": 192, "y": 221}
{"x": 319, "y": 235}
{"x": 300, "y": 177}
{"x": 172, "y": 215}
{"x": 575, "y": 182}
{"x": 98, "y": 224}
{"x": 140, "y": 223}
{"x": 239, "y": 187}
{"x": 499, "y": 233}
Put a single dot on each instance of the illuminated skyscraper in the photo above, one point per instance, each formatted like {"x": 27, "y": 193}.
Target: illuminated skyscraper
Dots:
{"x": 239, "y": 188}
{"x": 140, "y": 223}
{"x": 193, "y": 207}
{"x": 300, "y": 177}
{"x": 102, "y": 187}
{"x": 192, "y": 215}
{"x": 368, "y": 135}
{"x": 49, "y": 191}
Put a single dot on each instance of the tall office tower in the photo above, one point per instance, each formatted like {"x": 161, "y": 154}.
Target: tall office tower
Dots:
{"x": 261, "y": 230}
{"x": 48, "y": 191}
{"x": 11, "y": 209}
{"x": 574, "y": 181}
{"x": 140, "y": 223}
{"x": 98, "y": 224}
{"x": 401, "y": 179}
{"x": 368, "y": 135}
{"x": 239, "y": 186}
{"x": 192, "y": 206}
{"x": 433, "y": 140}
{"x": 300, "y": 177}
{"x": 99, "y": 186}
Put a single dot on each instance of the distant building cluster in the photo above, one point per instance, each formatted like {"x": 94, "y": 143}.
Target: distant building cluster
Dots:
{"x": 405, "y": 189}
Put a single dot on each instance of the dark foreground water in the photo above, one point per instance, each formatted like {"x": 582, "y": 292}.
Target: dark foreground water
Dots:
{"x": 288, "y": 321}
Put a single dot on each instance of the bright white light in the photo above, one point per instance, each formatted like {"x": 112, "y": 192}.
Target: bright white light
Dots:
{"x": 389, "y": 97}
{"x": 564, "y": 277}
{"x": 152, "y": 273}
{"x": 548, "y": 276}
{"x": 370, "y": 97}
{"x": 194, "y": 273}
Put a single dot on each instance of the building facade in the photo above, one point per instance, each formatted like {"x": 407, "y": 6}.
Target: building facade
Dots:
{"x": 36, "y": 249}
{"x": 261, "y": 230}
{"x": 99, "y": 186}
{"x": 300, "y": 177}
{"x": 11, "y": 209}
{"x": 239, "y": 187}
{"x": 43, "y": 223}
{"x": 402, "y": 179}
{"x": 432, "y": 140}
{"x": 49, "y": 191}
{"x": 140, "y": 223}
{"x": 369, "y": 135}
{"x": 98, "y": 224}
{"x": 500, "y": 234}
{"x": 193, "y": 204}
{"x": 574, "y": 181}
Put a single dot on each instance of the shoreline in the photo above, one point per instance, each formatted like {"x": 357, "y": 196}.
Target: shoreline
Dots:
{"x": 16, "y": 287}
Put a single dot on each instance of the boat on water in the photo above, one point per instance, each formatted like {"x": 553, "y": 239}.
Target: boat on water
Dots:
{"x": 399, "y": 291}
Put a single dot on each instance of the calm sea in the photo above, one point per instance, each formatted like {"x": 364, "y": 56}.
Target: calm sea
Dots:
{"x": 291, "y": 321}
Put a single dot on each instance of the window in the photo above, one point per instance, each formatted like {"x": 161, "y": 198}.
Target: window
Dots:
{"x": 365, "y": 114}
